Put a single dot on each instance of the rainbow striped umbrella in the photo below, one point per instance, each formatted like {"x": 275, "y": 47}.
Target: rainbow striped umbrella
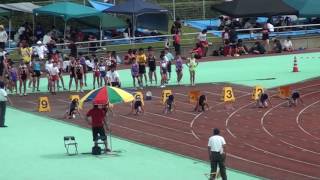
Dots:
{"x": 103, "y": 95}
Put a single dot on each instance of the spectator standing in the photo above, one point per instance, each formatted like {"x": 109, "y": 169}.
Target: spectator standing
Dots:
{"x": 40, "y": 50}
{"x": 2, "y": 64}
{"x": 170, "y": 59}
{"x": 202, "y": 39}
{"x": 3, "y": 37}
{"x": 179, "y": 68}
{"x": 217, "y": 154}
{"x": 3, "y": 104}
{"x": 177, "y": 42}
{"x": 114, "y": 78}
{"x": 152, "y": 65}
{"x": 265, "y": 37}
{"x": 142, "y": 61}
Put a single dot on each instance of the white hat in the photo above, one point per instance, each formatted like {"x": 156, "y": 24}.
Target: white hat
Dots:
{"x": 39, "y": 42}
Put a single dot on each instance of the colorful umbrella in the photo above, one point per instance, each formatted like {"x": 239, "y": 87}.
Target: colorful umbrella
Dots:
{"x": 103, "y": 95}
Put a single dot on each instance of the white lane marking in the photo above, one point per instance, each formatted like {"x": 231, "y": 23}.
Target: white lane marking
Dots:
{"x": 229, "y": 154}
{"x": 154, "y": 124}
{"x": 298, "y": 120}
{"x": 285, "y": 142}
{"x": 167, "y": 117}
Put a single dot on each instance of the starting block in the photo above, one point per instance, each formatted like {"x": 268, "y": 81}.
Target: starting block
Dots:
{"x": 72, "y": 97}
{"x": 138, "y": 95}
{"x": 257, "y": 90}
{"x": 227, "y": 95}
{"x": 284, "y": 92}
{"x": 165, "y": 94}
{"x": 44, "y": 105}
{"x": 193, "y": 96}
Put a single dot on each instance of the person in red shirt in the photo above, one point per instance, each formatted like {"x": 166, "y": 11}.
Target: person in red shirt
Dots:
{"x": 97, "y": 116}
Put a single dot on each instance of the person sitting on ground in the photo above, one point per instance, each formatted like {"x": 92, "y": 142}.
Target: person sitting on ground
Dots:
{"x": 169, "y": 105}
{"x": 137, "y": 105}
{"x": 277, "y": 47}
{"x": 202, "y": 104}
{"x": 288, "y": 45}
{"x": 258, "y": 48}
{"x": 241, "y": 49}
{"x": 73, "y": 109}
{"x": 295, "y": 97}
{"x": 197, "y": 51}
{"x": 263, "y": 100}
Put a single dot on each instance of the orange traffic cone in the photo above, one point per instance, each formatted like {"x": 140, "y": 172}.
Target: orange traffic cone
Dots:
{"x": 295, "y": 65}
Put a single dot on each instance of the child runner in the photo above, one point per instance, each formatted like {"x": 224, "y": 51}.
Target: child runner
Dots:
{"x": 142, "y": 60}
{"x": 13, "y": 77}
{"x": 263, "y": 100}
{"x": 72, "y": 71}
{"x": 73, "y": 109}
{"x": 202, "y": 103}
{"x": 192, "y": 64}
{"x": 179, "y": 67}
{"x": 137, "y": 106}
{"x": 23, "y": 76}
{"x": 295, "y": 97}
{"x": 135, "y": 72}
{"x": 170, "y": 59}
{"x": 152, "y": 65}
{"x": 163, "y": 70}
{"x": 60, "y": 66}
{"x": 169, "y": 105}
{"x": 96, "y": 75}
{"x": 54, "y": 77}
{"x": 79, "y": 75}
{"x": 103, "y": 73}
{"x": 84, "y": 66}
{"x": 48, "y": 66}
{"x": 36, "y": 66}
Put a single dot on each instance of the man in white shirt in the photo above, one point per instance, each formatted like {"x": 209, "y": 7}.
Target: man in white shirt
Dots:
{"x": 114, "y": 78}
{"x": 40, "y": 50}
{"x": 3, "y": 37}
{"x": 3, "y": 104}
{"x": 217, "y": 154}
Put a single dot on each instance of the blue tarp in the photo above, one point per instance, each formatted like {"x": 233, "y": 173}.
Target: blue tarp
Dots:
{"x": 100, "y": 6}
{"x": 306, "y": 8}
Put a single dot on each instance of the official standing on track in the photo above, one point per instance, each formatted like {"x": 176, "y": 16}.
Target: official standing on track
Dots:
{"x": 3, "y": 104}
{"x": 217, "y": 154}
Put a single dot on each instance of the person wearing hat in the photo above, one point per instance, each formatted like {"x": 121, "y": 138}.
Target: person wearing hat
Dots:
{"x": 3, "y": 37}
{"x": 3, "y": 104}
{"x": 40, "y": 50}
{"x": 217, "y": 154}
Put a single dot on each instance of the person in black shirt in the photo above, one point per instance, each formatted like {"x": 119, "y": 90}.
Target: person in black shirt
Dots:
{"x": 277, "y": 47}
{"x": 202, "y": 104}
{"x": 295, "y": 97}
{"x": 151, "y": 59}
{"x": 263, "y": 100}
{"x": 169, "y": 105}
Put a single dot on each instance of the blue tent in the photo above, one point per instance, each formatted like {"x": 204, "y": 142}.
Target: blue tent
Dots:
{"x": 306, "y": 8}
{"x": 100, "y": 6}
{"x": 144, "y": 14}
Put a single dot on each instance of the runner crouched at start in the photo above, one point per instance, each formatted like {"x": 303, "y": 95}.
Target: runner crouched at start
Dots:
{"x": 169, "y": 105}
{"x": 263, "y": 100}
{"x": 202, "y": 104}
{"x": 295, "y": 97}
{"x": 137, "y": 106}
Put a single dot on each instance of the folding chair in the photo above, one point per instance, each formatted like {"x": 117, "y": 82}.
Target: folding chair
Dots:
{"x": 70, "y": 141}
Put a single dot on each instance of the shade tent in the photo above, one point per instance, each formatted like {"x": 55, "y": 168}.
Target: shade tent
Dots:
{"x": 107, "y": 21}
{"x": 306, "y": 8}
{"x": 21, "y": 7}
{"x": 4, "y": 13}
{"x": 67, "y": 10}
{"x": 136, "y": 8}
{"x": 254, "y": 8}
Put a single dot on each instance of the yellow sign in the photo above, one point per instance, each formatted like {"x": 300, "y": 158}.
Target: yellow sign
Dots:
{"x": 44, "y": 105}
{"x": 165, "y": 94}
{"x": 257, "y": 90}
{"x": 138, "y": 95}
{"x": 227, "y": 94}
{"x": 72, "y": 97}
{"x": 284, "y": 92}
{"x": 193, "y": 96}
